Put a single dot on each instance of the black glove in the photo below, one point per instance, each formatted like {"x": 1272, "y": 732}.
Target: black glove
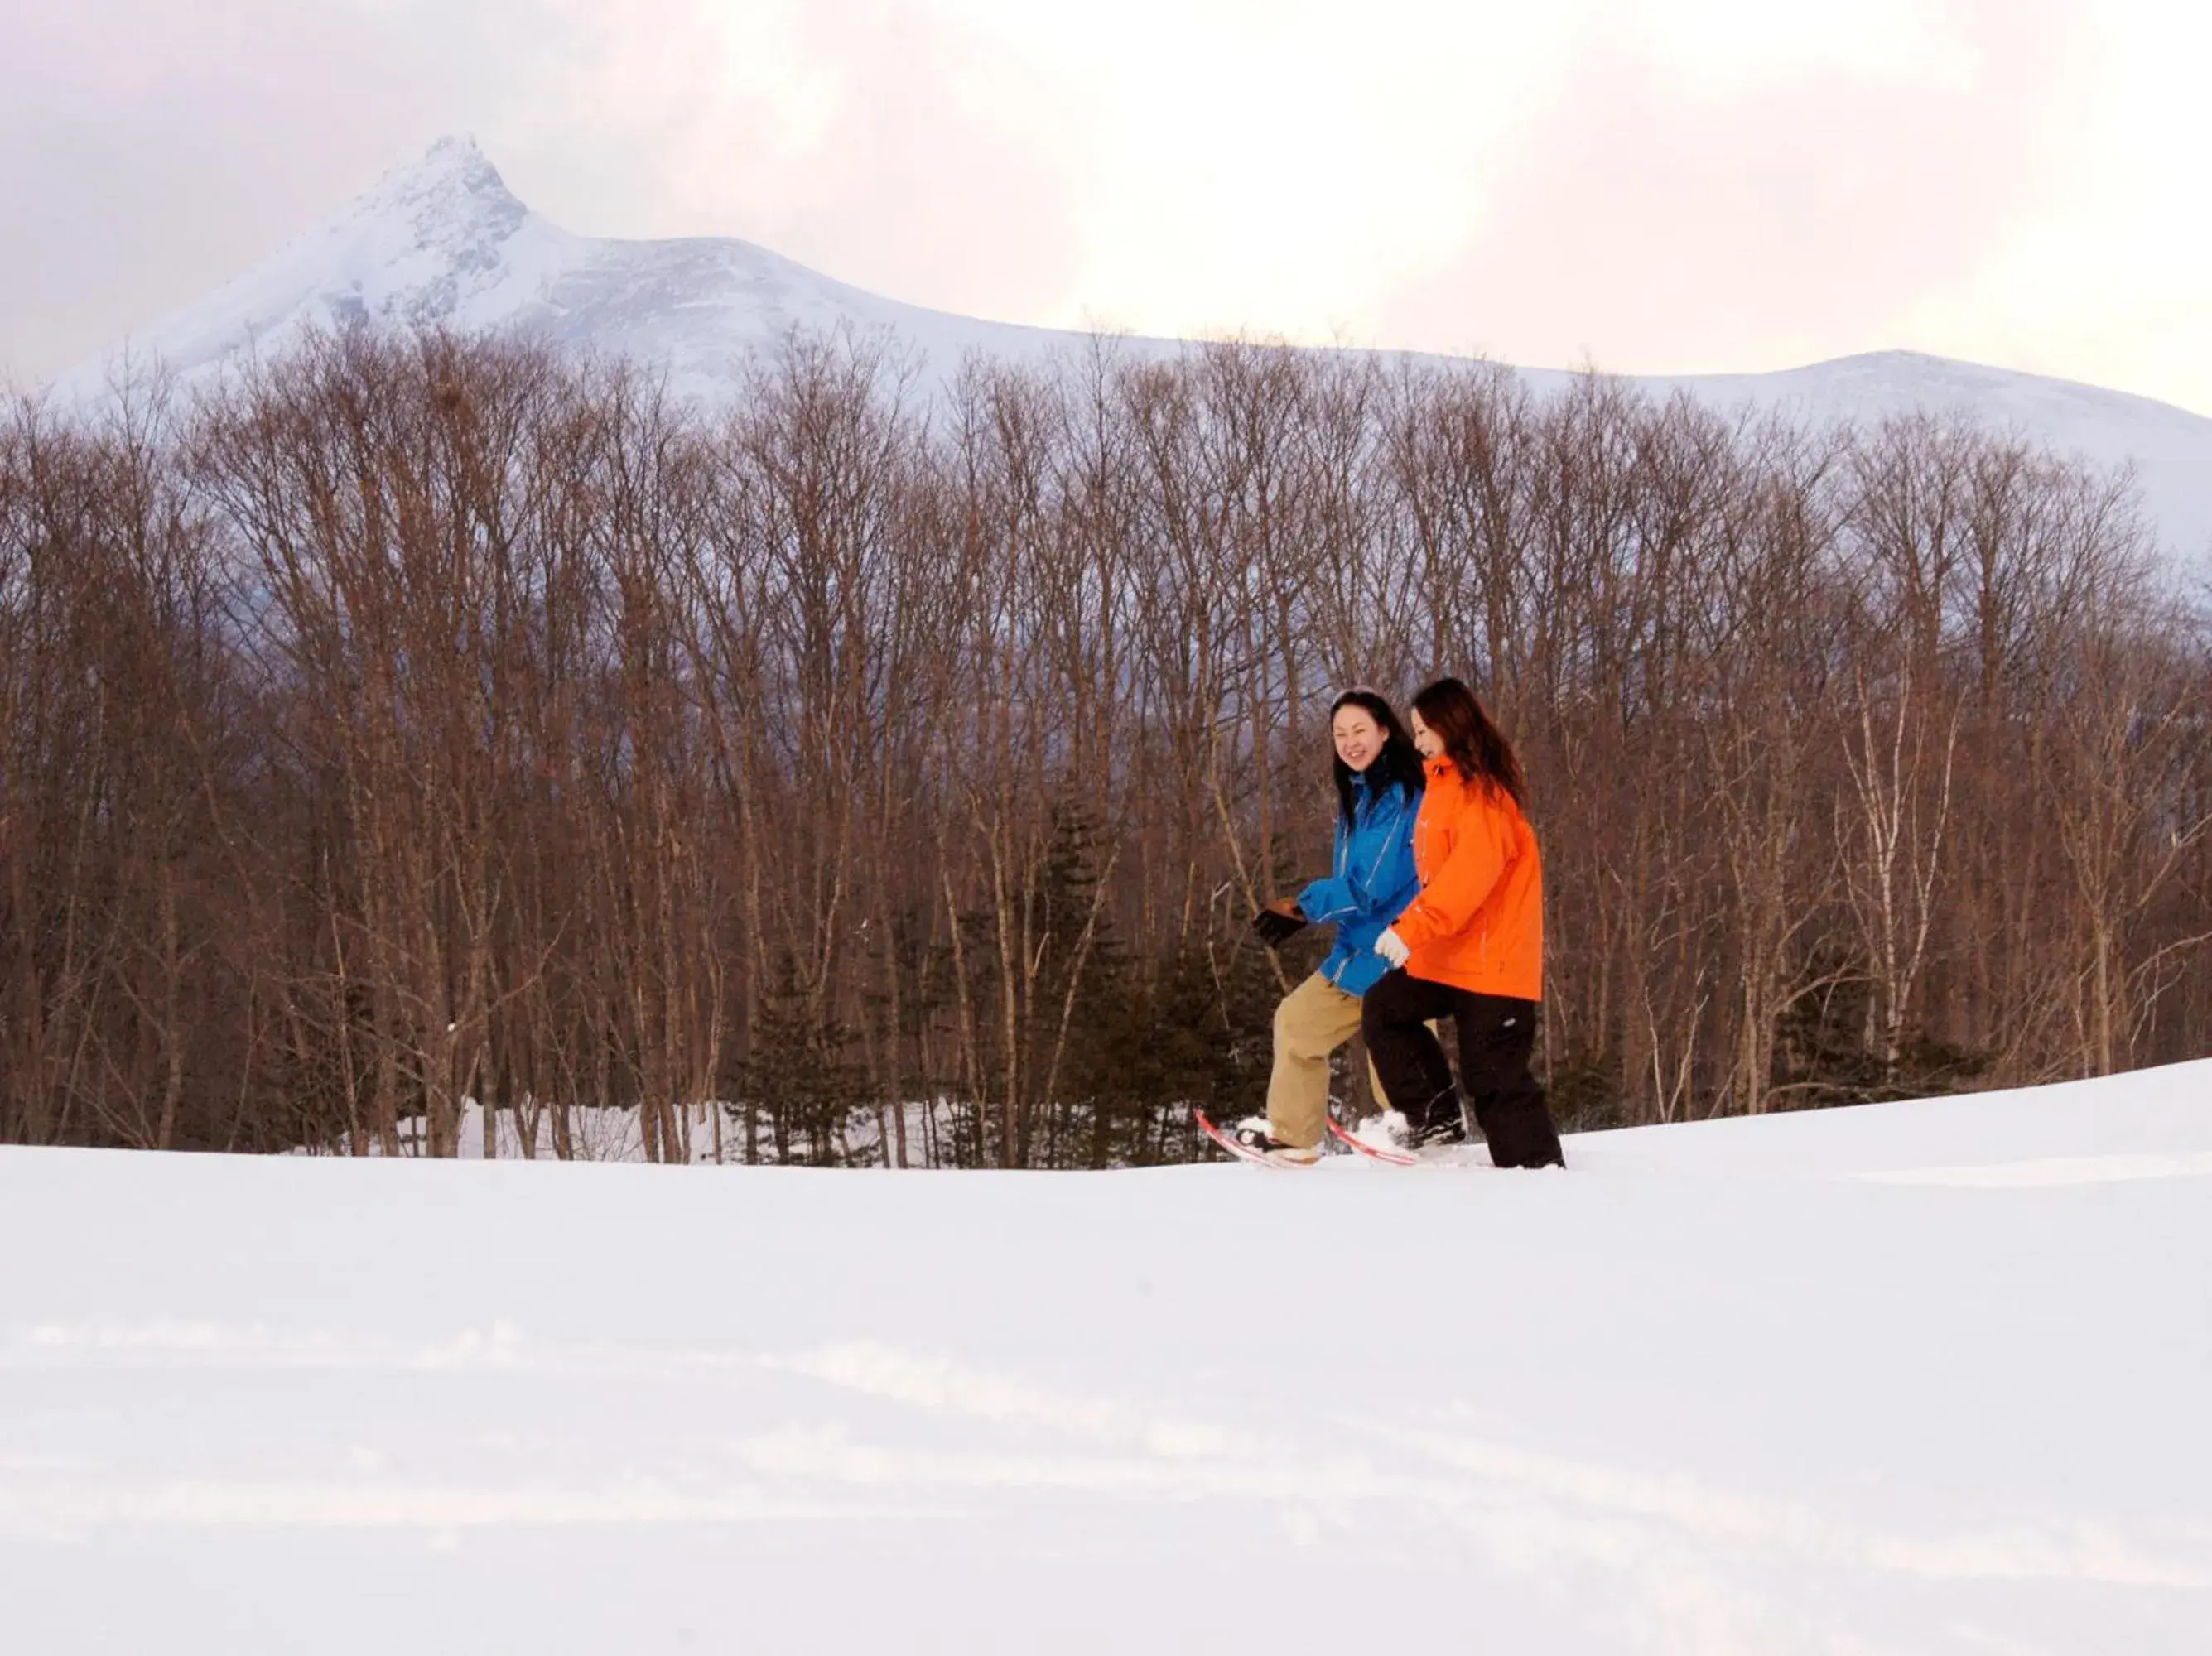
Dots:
{"x": 1274, "y": 925}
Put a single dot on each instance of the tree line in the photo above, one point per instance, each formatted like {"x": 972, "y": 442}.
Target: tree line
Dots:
{"x": 882, "y": 770}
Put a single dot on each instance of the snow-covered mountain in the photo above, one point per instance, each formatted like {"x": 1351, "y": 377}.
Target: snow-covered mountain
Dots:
{"x": 443, "y": 241}
{"x": 1923, "y": 1378}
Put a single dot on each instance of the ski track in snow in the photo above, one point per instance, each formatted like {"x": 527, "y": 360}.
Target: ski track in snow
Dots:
{"x": 1535, "y": 1513}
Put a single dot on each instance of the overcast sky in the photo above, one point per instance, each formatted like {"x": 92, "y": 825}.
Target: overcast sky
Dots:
{"x": 1647, "y": 185}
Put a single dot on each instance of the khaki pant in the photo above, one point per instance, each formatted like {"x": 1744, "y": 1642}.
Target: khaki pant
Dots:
{"x": 1313, "y": 1020}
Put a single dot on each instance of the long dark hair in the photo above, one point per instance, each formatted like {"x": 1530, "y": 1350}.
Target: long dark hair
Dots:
{"x": 1398, "y": 763}
{"x": 1472, "y": 740}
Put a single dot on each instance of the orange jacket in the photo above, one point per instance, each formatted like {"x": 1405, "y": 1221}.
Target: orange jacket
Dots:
{"x": 1479, "y": 921}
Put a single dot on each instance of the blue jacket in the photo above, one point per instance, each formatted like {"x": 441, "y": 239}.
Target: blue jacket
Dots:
{"x": 1372, "y": 883}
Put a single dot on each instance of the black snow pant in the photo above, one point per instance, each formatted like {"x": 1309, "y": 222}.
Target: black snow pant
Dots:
{"x": 1496, "y": 1036}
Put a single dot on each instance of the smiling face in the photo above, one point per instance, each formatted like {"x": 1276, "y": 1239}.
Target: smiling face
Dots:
{"x": 1358, "y": 737}
{"x": 1426, "y": 742}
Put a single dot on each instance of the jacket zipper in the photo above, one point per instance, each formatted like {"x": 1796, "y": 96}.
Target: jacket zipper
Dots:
{"x": 1344, "y": 861}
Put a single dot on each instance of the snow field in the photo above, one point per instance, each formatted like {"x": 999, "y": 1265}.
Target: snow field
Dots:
{"x": 1925, "y": 1377}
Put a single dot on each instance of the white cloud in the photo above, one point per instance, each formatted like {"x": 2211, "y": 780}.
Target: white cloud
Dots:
{"x": 1731, "y": 42}
{"x": 2110, "y": 277}
{"x": 1664, "y": 183}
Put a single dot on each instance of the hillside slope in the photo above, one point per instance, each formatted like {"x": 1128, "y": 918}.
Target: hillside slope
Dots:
{"x": 1920, "y": 1378}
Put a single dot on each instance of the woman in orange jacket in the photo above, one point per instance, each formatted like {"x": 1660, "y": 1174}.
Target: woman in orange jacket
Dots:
{"x": 1470, "y": 946}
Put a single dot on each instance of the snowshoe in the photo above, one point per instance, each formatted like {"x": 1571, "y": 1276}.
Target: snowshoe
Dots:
{"x": 1250, "y": 1141}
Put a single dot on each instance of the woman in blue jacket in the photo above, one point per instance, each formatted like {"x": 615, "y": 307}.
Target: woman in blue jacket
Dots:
{"x": 1378, "y": 789}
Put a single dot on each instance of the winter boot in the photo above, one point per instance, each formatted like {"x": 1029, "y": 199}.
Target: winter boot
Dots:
{"x": 1252, "y": 1133}
{"x": 1388, "y": 1130}
{"x": 1440, "y": 1132}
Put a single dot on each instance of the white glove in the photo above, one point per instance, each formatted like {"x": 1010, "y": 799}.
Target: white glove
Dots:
{"x": 1392, "y": 948}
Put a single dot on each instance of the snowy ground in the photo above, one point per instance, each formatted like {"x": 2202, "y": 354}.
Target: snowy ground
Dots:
{"x": 1932, "y": 1377}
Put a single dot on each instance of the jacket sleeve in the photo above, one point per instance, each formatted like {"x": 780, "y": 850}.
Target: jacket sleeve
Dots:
{"x": 1470, "y": 872}
{"x": 1375, "y": 883}
{"x": 1333, "y": 898}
